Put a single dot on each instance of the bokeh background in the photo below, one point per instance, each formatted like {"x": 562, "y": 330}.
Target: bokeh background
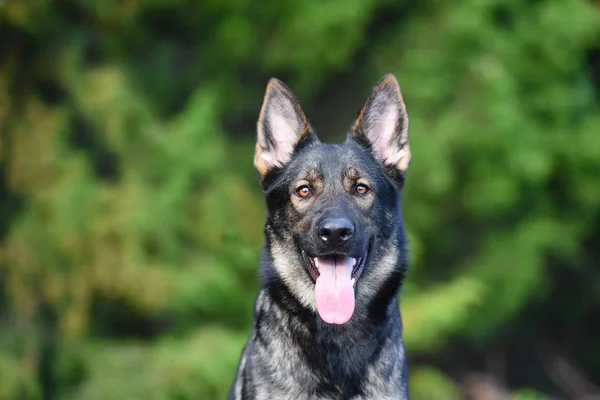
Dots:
{"x": 131, "y": 215}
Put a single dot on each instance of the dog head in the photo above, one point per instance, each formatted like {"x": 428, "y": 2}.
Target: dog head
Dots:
{"x": 334, "y": 229}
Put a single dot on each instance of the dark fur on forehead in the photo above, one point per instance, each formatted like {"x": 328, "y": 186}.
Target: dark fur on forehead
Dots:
{"x": 359, "y": 160}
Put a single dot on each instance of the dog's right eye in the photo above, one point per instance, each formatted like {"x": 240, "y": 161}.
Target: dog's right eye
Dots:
{"x": 303, "y": 191}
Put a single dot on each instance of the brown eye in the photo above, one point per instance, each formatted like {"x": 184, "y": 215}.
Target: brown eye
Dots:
{"x": 361, "y": 189}
{"x": 303, "y": 191}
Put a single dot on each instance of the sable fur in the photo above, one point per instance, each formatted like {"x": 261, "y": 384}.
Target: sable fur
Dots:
{"x": 291, "y": 352}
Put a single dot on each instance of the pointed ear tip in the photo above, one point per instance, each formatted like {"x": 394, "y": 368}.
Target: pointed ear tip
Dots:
{"x": 276, "y": 83}
{"x": 272, "y": 83}
{"x": 390, "y": 79}
{"x": 277, "y": 86}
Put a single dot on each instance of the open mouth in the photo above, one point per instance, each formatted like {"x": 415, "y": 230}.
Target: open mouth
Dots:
{"x": 358, "y": 265}
{"x": 335, "y": 279}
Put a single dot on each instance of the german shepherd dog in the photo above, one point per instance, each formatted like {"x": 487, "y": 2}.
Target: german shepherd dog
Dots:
{"x": 326, "y": 320}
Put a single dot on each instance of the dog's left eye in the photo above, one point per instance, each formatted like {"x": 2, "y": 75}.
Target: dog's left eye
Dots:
{"x": 303, "y": 191}
{"x": 361, "y": 189}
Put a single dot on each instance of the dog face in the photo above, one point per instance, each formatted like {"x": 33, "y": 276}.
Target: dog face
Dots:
{"x": 334, "y": 230}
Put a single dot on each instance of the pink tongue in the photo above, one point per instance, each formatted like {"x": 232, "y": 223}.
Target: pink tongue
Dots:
{"x": 334, "y": 293}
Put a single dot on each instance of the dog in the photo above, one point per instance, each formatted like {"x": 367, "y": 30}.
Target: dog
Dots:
{"x": 326, "y": 320}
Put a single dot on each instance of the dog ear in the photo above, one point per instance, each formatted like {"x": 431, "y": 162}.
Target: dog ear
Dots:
{"x": 382, "y": 125}
{"x": 282, "y": 125}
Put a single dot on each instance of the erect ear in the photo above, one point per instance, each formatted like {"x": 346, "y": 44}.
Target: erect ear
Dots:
{"x": 382, "y": 125}
{"x": 282, "y": 125}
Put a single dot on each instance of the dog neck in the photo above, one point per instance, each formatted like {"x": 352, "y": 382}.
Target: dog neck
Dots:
{"x": 377, "y": 317}
{"x": 287, "y": 334}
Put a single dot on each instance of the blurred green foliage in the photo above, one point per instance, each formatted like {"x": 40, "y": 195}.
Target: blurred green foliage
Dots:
{"x": 131, "y": 217}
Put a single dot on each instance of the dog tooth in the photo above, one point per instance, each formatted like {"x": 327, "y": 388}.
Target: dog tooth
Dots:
{"x": 353, "y": 282}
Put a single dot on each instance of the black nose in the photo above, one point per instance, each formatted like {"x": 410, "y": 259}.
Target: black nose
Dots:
{"x": 335, "y": 231}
